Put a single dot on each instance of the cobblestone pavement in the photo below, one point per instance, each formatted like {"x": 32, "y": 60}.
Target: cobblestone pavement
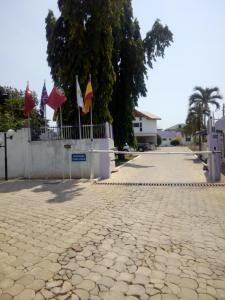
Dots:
{"x": 81, "y": 241}
{"x": 158, "y": 168}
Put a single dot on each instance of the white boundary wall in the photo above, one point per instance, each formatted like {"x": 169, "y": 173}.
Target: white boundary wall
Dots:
{"x": 49, "y": 159}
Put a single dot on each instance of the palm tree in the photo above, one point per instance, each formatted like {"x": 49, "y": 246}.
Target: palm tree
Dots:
{"x": 203, "y": 98}
{"x": 194, "y": 121}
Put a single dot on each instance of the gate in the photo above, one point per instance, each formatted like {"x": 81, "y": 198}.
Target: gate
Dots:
{"x": 213, "y": 159}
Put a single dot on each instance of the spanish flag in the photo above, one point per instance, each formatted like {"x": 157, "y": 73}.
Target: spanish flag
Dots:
{"x": 88, "y": 98}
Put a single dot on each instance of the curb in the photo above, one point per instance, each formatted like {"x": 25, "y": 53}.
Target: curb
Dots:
{"x": 124, "y": 164}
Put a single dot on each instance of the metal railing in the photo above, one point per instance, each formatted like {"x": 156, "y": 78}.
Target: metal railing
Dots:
{"x": 100, "y": 131}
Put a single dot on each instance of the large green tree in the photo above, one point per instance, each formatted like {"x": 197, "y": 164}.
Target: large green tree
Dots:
{"x": 80, "y": 42}
{"x": 101, "y": 37}
{"x": 131, "y": 56}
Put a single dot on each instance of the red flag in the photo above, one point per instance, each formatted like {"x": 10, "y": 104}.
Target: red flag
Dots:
{"x": 29, "y": 103}
{"x": 56, "y": 98}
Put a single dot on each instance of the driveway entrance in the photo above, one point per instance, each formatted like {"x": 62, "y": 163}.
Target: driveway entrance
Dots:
{"x": 163, "y": 168}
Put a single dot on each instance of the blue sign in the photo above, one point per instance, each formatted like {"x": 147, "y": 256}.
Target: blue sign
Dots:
{"x": 79, "y": 157}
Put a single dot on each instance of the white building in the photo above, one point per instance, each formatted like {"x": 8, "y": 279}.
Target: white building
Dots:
{"x": 168, "y": 136}
{"x": 174, "y": 133}
{"x": 145, "y": 127}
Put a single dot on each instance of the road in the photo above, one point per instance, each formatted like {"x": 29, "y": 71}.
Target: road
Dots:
{"x": 76, "y": 240}
{"x": 178, "y": 168}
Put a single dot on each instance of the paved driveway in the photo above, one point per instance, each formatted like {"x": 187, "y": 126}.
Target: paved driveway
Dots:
{"x": 80, "y": 241}
{"x": 162, "y": 168}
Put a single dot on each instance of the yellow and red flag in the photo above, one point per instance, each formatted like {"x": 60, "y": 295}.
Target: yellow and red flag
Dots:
{"x": 88, "y": 98}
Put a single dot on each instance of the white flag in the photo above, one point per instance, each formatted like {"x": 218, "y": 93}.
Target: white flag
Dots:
{"x": 80, "y": 101}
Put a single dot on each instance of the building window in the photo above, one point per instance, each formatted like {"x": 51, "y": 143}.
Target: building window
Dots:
{"x": 188, "y": 139}
{"x": 136, "y": 124}
{"x": 140, "y": 119}
{"x": 140, "y": 126}
{"x": 164, "y": 139}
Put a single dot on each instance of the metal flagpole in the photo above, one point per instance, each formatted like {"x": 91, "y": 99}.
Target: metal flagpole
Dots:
{"x": 91, "y": 136}
{"x": 29, "y": 143}
{"x": 91, "y": 125}
{"x": 78, "y": 108}
{"x": 45, "y": 112}
{"x": 29, "y": 132}
{"x": 69, "y": 153}
{"x": 91, "y": 116}
{"x": 29, "y": 129}
{"x": 61, "y": 135}
{"x": 45, "y": 119}
{"x": 29, "y": 148}
{"x": 61, "y": 127}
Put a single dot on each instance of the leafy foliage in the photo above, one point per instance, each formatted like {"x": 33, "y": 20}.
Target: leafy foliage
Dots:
{"x": 159, "y": 140}
{"x": 202, "y": 99}
{"x": 11, "y": 110}
{"x": 80, "y": 43}
{"x": 156, "y": 41}
{"x": 199, "y": 109}
{"x": 175, "y": 142}
{"x": 101, "y": 37}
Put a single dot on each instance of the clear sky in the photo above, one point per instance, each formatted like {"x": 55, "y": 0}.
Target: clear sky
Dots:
{"x": 197, "y": 56}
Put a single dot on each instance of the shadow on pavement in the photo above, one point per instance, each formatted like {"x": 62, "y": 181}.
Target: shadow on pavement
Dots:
{"x": 195, "y": 160}
{"x": 58, "y": 191}
{"x": 132, "y": 165}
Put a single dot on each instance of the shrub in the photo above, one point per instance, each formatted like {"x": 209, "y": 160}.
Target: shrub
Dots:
{"x": 159, "y": 140}
{"x": 175, "y": 142}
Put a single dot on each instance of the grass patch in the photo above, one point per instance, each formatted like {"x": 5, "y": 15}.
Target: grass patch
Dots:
{"x": 127, "y": 157}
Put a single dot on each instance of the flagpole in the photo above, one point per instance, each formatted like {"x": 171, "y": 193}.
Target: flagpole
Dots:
{"x": 45, "y": 112}
{"x": 45, "y": 119}
{"x": 28, "y": 109}
{"x": 61, "y": 133}
{"x": 28, "y": 116}
{"x": 78, "y": 109}
{"x": 29, "y": 148}
{"x": 91, "y": 135}
{"x": 61, "y": 136}
{"x": 91, "y": 125}
{"x": 91, "y": 117}
{"x": 29, "y": 133}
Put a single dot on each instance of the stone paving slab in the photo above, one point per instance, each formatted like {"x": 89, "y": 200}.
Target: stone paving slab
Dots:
{"x": 162, "y": 168}
{"x": 82, "y": 241}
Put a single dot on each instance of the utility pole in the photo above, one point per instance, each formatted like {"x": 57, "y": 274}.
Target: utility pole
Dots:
{"x": 7, "y": 135}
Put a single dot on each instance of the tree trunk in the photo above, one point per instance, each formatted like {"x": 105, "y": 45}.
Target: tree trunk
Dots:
{"x": 200, "y": 143}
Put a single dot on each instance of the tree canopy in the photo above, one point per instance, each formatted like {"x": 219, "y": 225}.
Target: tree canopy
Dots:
{"x": 103, "y": 39}
{"x": 200, "y": 103}
{"x": 203, "y": 98}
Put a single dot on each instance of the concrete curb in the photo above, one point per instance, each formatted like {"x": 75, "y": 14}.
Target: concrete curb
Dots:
{"x": 124, "y": 164}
